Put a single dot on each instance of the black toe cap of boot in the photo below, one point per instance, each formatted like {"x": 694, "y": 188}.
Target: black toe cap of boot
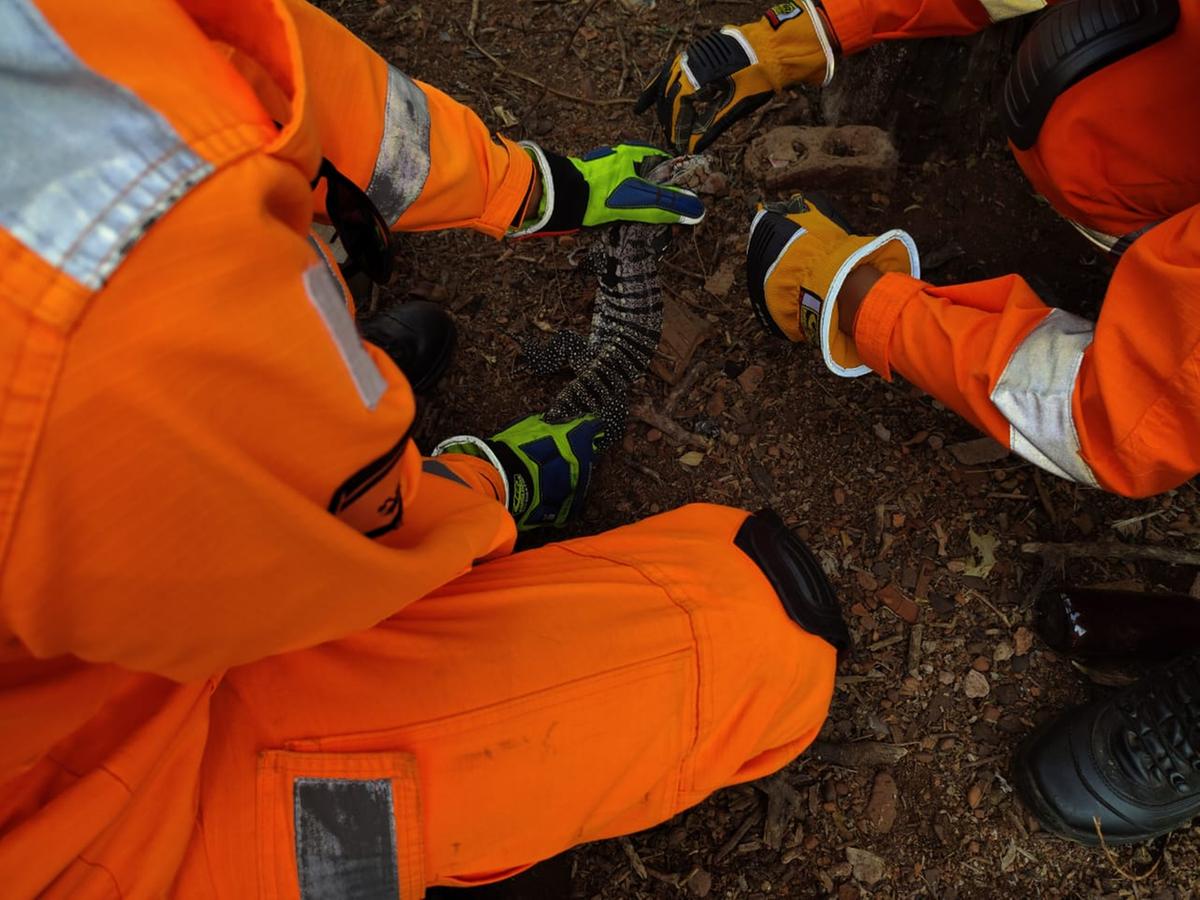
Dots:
{"x": 419, "y": 336}
{"x": 1131, "y": 761}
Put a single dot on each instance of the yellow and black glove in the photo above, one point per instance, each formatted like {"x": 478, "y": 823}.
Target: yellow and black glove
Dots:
{"x": 734, "y": 71}
{"x": 797, "y": 259}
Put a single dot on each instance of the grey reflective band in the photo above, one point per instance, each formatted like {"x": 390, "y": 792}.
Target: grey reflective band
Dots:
{"x": 402, "y": 164}
{"x": 345, "y": 839}
{"x": 999, "y": 10}
{"x": 441, "y": 470}
{"x": 86, "y": 166}
{"x": 325, "y": 292}
{"x": 1035, "y": 390}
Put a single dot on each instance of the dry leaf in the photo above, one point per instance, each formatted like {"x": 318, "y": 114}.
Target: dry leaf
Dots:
{"x": 692, "y": 458}
{"x": 984, "y": 546}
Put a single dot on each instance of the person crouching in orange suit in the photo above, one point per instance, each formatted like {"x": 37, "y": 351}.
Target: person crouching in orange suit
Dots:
{"x": 1102, "y": 114}
{"x": 252, "y": 643}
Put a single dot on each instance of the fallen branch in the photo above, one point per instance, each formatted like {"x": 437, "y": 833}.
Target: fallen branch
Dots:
{"x": 583, "y": 18}
{"x": 1113, "y": 550}
{"x": 669, "y": 427}
{"x": 574, "y": 98}
{"x": 859, "y": 754}
{"x": 729, "y": 846}
{"x": 682, "y": 389}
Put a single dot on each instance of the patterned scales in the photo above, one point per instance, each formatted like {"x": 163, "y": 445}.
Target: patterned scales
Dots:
{"x": 627, "y": 318}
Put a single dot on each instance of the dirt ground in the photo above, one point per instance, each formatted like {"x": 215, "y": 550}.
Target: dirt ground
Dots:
{"x": 863, "y": 470}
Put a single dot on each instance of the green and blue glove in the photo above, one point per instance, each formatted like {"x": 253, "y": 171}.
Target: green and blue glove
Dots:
{"x": 546, "y": 467}
{"x": 606, "y": 185}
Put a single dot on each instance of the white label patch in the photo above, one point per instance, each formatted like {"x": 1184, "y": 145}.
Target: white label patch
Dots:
{"x": 325, "y": 292}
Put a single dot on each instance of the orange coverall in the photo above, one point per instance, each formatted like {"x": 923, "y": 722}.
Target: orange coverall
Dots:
{"x": 1114, "y": 404}
{"x": 250, "y": 642}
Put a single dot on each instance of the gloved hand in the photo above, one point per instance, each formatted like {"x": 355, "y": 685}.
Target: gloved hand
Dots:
{"x": 546, "y": 468}
{"x": 798, "y": 257}
{"x": 605, "y": 186}
{"x": 736, "y": 70}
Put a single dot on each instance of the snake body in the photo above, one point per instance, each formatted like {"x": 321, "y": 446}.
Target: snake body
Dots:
{"x": 627, "y": 319}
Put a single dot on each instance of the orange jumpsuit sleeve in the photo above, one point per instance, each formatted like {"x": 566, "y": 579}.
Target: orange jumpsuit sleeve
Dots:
{"x": 224, "y": 472}
{"x": 1115, "y": 405}
{"x": 426, "y": 160}
{"x": 861, "y": 23}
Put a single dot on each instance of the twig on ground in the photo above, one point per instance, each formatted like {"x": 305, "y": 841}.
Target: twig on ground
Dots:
{"x": 682, "y": 389}
{"x": 675, "y": 267}
{"x": 669, "y": 427}
{"x": 1112, "y": 857}
{"x": 583, "y": 18}
{"x": 474, "y": 20}
{"x": 1113, "y": 550}
{"x": 639, "y": 867}
{"x": 645, "y": 470}
{"x": 574, "y": 98}
{"x": 977, "y": 595}
{"x": 729, "y": 846}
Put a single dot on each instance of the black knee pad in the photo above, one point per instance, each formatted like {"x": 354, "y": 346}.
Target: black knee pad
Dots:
{"x": 1069, "y": 43}
{"x": 796, "y": 575}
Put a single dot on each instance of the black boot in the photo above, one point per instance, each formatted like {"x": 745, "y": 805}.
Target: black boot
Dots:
{"x": 419, "y": 336}
{"x": 1133, "y": 761}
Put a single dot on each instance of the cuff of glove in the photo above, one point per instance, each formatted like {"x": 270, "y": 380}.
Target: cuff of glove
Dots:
{"x": 787, "y": 54}
{"x": 892, "y": 251}
{"x": 565, "y": 195}
{"x": 877, "y": 318}
{"x": 850, "y": 26}
{"x": 479, "y": 448}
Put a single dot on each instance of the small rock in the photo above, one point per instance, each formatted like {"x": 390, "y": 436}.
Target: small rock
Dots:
{"x": 881, "y": 808}
{"x": 935, "y": 442}
{"x": 1003, "y": 651}
{"x": 1023, "y": 640}
{"x": 979, "y": 451}
{"x": 795, "y": 156}
{"x": 751, "y": 378}
{"x": 975, "y": 685}
{"x": 981, "y": 664}
{"x": 866, "y": 866}
{"x": 700, "y": 883}
{"x": 882, "y": 432}
{"x": 653, "y": 435}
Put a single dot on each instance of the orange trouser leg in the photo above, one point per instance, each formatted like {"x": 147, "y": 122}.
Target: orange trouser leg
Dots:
{"x": 560, "y": 695}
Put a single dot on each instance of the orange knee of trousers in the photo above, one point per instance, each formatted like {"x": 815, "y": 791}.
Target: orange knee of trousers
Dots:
{"x": 765, "y": 683}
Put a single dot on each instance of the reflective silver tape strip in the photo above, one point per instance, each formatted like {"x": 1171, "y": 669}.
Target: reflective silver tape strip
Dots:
{"x": 325, "y": 292}
{"x": 1035, "y": 390}
{"x": 441, "y": 470}
{"x": 86, "y": 167}
{"x": 999, "y": 10}
{"x": 1102, "y": 240}
{"x": 345, "y": 839}
{"x": 403, "y": 161}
